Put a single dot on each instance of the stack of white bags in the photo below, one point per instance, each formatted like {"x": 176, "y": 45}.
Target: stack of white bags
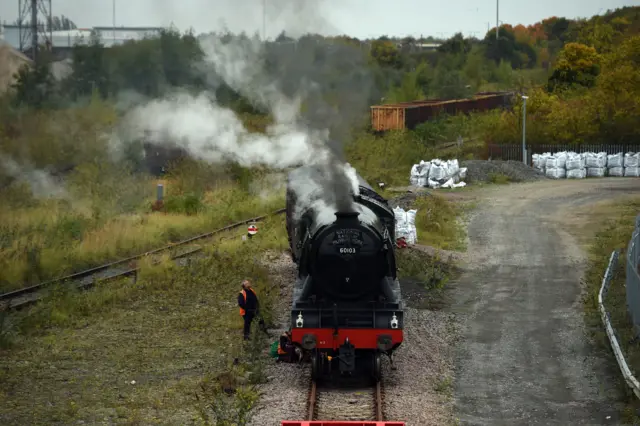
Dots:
{"x": 406, "y": 224}
{"x": 589, "y": 164}
{"x": 438, "y": 174}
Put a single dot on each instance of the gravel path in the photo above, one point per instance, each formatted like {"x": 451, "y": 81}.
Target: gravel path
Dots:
{"x": 418, "y": 392}
{"x": 525, "y": 357}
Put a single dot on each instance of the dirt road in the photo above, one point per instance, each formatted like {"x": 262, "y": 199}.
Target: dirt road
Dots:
{"x": 524, "y": 357}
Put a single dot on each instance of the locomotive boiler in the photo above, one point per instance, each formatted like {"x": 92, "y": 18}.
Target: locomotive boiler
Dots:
{"x": 347, "y": 309}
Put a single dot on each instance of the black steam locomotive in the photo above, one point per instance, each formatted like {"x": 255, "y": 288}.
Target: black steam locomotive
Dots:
{"x": 347, "y": 309}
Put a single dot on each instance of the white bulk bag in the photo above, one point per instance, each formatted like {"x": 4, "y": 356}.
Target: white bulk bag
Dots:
{"x": 631, "y": 159}
{"x": 615, "y": 160}
{"x": 616, "y": 171}
{"x": 596, "y": 171}
{"x": 632, "y": 171}
{"x": 576, "y": 173}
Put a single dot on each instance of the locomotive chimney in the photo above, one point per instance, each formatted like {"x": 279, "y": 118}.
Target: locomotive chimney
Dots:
{"x": 347, "y": 217}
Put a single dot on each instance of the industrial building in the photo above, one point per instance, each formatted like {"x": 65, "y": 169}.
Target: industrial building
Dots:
{"x": 66, "y": 39}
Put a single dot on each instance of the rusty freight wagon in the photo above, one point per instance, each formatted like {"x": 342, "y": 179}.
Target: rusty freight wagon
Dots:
{"x": 407, "y": 115}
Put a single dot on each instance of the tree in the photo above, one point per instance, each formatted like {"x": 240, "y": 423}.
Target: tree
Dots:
{"x": 89, "y": 69}
{"x": 385, "y": 54}
{"x": 179, "y": 53}
{"x": 618, "y": 92}
{"x": 282, "y": 37}
{"x": 579, "y": 65}
{"x": 507, "y": 48}
{"x": 456, "y": 45}
{"x": 35, "y": 86}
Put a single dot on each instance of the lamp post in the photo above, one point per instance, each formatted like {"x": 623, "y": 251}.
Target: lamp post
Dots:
{"x": 524, "y": 127}
{"x": 497, "y": 18}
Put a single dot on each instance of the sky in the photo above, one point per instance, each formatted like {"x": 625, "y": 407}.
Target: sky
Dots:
{"x": 357, "y": 18}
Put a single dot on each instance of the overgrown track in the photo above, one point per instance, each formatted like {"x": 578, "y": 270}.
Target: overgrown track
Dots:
{"x": 121, "y": 268}
{"x": 356, "y": 401}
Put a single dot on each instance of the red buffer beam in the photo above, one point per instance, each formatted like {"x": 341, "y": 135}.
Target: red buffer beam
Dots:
{"x": 338, "y": 423}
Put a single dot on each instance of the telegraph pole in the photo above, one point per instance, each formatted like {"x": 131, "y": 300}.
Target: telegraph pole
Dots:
{"x": 524, "y": 127}
{"x": 114, "y": 22}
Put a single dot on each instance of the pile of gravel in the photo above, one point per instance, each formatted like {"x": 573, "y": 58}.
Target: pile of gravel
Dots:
{"x": 405, "y": 200}
{"x": 517, "y": 171}
{"x": 419, "y": 391}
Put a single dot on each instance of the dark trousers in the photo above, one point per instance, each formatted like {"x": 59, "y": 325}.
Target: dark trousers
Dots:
{"x": 290, "y": 356}
{"x": 248, "y": 317}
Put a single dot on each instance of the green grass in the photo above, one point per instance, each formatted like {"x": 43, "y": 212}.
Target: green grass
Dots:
{"x": 110, "y": 217}
{"x": 615, "y": 233}
{"x": 175, "y": 332}
{"x": 438, "y": 223}
{"x": 499, "y": 178}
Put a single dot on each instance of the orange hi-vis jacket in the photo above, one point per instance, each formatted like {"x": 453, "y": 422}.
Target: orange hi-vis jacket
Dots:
{"x": 244, "y": 296}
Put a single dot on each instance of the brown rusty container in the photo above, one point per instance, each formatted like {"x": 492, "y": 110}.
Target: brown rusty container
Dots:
{"x": 407, "y": 115}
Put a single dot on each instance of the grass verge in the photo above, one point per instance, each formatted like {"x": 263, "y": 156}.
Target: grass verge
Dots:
{"x": 165, "y": 349}
{"x": 107, "y": 215}
{"x": 424, "y": 277}
{"x": 614, "y": 233}
{"x": 439, "y": 222}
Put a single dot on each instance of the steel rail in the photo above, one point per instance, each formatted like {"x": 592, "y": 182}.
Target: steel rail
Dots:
{"x": 378, "y": 402}
{"x": 312, "y": 403}
{"x": 25, "y": 292}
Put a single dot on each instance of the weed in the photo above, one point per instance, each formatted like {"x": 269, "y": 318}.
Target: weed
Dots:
{"x": 499, "y": 178}
{"x": 444, "y": 386}
{"x": 7, "y": 330}
{"x": 418, "y": 266}
{"x": 438, "y": 224}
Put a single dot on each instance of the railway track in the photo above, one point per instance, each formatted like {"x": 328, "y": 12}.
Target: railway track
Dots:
{"x": 122, "y": 268}
{"x": 355, "y": 401}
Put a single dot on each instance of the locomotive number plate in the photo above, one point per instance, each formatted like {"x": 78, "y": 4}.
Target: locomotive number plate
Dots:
{"x": 348, "y": 250}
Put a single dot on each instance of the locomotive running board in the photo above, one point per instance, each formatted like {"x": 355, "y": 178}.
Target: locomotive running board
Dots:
{"x": 339, "y": 423}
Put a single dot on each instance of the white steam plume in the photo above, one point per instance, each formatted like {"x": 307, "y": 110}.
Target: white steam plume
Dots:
{"x": 41, "y": 183}
{"x": 214, "y": 133}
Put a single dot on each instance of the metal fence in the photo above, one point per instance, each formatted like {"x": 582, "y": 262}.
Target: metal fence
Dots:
{"x": 632, "y": 278}
{"x": 628, "y": 376}
{"x": 632, "y": 286}
{"x": 514, "y": 151}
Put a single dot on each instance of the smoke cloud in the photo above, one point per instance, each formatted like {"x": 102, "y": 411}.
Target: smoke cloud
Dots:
{"x": 41, "y": 183}
{"x": 293, "y": 82}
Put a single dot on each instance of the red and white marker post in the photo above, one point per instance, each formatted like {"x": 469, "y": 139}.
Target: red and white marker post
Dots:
{"x": 252, "y": 230}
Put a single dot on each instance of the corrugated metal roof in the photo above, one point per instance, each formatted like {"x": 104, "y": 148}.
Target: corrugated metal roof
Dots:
{"x": 418, "y": 103}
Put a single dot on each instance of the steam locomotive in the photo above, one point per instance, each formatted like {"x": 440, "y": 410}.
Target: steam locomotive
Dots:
{"x": 347, "y": 309}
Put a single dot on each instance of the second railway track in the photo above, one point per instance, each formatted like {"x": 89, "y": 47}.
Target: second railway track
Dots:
{"x": 346, "y": 401}
{"x": 122, "y": 268}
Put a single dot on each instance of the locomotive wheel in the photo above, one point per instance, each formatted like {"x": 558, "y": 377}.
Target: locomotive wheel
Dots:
{"x": 377, "y": 367}
{"x": 316, "y": 365}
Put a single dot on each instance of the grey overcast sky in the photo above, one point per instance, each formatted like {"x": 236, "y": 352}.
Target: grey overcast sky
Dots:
{"x": 359, "y": 18}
